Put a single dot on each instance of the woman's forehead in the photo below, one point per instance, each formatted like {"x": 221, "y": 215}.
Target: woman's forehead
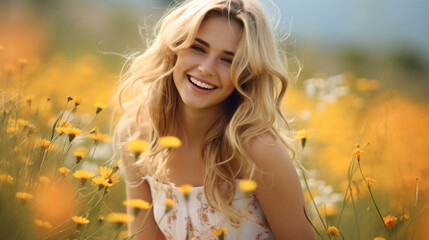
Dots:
{"x": 220, "y": 32}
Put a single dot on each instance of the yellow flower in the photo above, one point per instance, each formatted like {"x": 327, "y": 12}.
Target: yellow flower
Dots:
{"x": 303, "y": 135}
{"x": 136, "y": 203}
{"x": 99, "y": 106}
{"x": 28, "y": 99}
{"x": 104, "y": 172}
{"x": 169, "y": 204}
{"x": 77, "y": 100}
{"x": 79, "y": 156}
{"x": 44, "y": 144}
{"x": 100, "y": 137}
{"x": 24, "y": 195}
{"x": 80, "y": 220}
{"x": 100, "y": 181}
{"x": 186, "y": 189}
{"x": 114, "y": 178}
{"x": 72, "y": 132}
{"x": 11, "y": 130}
{"x": 119, "y": 218}
{"x": 64, "y": 171}
{"x": 170, "y": 142}
{"x": 137, "y": 146}
{"x": 358, "y": 153}
{"x": 44, "y": 179}
{"x": 333, "y": 231}
{"x": 60, "y": 130}
{"x": 379, "y": 238}
{"x": 64, "y": 123}
{"x": 107, "y": 173}
{"x": 368, "y": 181}
{"x": 23, "y": 123}
{"x": 390, "y": 221}
{"x": 103, "y": 182}
{"x": 221, "y": 232}
{"x": 22, "y": 60}
{"x": 83, "y": 175}
{"x": 247, "y": 186}
{"x": 42, "y": 224}
{"x": 404, "y": 217}
{"x": 6, "y": 178}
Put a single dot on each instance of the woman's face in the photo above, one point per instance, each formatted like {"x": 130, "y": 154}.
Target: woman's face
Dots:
{"x": 202, "y": 72}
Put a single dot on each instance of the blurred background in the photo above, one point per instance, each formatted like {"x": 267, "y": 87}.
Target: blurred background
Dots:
{"x": 362, "y": 61}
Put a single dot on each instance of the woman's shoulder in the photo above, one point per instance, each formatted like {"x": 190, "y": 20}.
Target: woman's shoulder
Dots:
{"x": 267, "y": 150}
{"x": 264, "y": 142}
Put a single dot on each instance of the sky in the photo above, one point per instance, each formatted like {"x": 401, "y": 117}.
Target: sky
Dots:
{"x": 368, "y": 23}
{"x": 371, "y": 22}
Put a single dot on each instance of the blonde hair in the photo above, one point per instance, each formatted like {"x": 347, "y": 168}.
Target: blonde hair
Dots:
{"x": 258, "y": 72}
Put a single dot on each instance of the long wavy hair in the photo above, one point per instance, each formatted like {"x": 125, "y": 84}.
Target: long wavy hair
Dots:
{"x": 149, "y": 98}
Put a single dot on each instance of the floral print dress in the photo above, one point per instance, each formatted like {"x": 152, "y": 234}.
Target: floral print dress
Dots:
{"x": 195, "y": 218}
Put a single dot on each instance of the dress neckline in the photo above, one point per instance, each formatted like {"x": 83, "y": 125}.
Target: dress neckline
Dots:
{"x": 173, "y": 185}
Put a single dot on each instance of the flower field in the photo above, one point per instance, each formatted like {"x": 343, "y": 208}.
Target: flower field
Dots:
{"x": 360, "y": 126}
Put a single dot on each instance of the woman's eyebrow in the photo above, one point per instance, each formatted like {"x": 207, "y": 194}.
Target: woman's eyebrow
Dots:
{"x": 208, "y": 45}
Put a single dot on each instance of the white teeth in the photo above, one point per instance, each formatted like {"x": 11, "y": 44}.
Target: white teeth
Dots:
{"x": 201, "y": 84}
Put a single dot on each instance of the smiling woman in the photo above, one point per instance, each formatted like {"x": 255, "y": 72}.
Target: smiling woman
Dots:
{"x": 202, "y": 74}
{"x": 214, "y": 78}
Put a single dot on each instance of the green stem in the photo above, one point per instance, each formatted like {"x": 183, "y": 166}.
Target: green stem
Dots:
{"x": 40, "y": 113}
{"x": 93, "y": 151}
{"x": 57, "y": 120}
{"x": 132, "y": 235}
{"x": 156, "y": 229}
{"x": 314, "y": 227}
{"x": 355, "y": 213}
{"x": 373, "y": 200}
{"x": 90, "y": 122}
{"x": 350, "y": 174}
{"x": 92, "y": 234}
{"x": 312, "y": 198}
{"x": 117, "y": 234}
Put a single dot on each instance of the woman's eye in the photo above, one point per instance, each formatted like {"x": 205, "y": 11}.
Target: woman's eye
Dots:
{"x": 227, "y": 60}
{"x": 196, "y": 48}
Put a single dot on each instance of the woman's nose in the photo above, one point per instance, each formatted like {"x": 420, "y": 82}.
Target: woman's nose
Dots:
{"x": 208, "y": 66}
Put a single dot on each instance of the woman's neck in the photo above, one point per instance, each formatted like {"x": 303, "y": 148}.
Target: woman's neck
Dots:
{"x": 194, "y": 123}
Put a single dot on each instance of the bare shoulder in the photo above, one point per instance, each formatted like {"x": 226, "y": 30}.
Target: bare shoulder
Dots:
{"x": 268, "y": 152}
{"x": 279, "y": 191}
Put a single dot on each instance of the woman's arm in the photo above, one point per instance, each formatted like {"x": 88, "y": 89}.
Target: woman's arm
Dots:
{"x": 136, "y": 188}
{"x": 279, "y": 191}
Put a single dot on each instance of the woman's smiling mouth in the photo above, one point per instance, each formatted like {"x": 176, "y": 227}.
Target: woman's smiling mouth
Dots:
{"x": 199, "y": 84}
